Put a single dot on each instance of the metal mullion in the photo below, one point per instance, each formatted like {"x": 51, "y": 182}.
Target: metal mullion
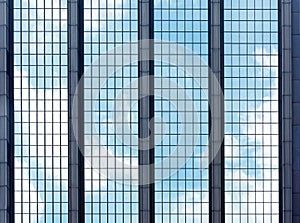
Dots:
{"x": 29, "y": 110}
{"x": 45, "y": 121}
{"x": 146, "y": 155}
{"x": 91, "y": 90}
{"x": 37, "y": 135}
{"x": 122, "y": 86}
{"x": 92, "y": 120}
{"x": 216, "y": 166}
{"x": 231, "y": 114}
{"x": 239, "y": 109}
{"x": 7, "y": 113}
{"x": 247, "y": 76}
{"x": 60, "y": 82}
{"x": 162, "y": 110}
{"x": 131, "y": 116}
{"x": 53, "y": 121}
{"x": 255, "y": 119}
{"x": 107, "y": 93}
{"x": 177, "y": 69}
{"x": 115, "y": 140}
{"x": 21, "y": 107}
{"x": 263, "y": 111}
{"x": 169, "y": 147}
{"x": 99, "y": 53}
{"x": 285, "y": 120}
{"x": 193, "y": 87}
{"x": 81, "y": 112}
{"x": 184, "y": 87}
{"x": 75, "y": 145}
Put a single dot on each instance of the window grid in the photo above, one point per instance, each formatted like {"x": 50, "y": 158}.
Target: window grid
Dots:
{"x": 251, "y": 73}
{"x": 183, "y": 197}
{"x": 109, "y": 24}
{"x": 40, "y": 90}
{"x": 251, "y": 111}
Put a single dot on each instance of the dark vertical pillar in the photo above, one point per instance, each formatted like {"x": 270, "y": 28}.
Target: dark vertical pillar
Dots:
{"x": 216, "y": 166}
{"x": 295, "y": 7}
{"x": 146, "y": 111}
{"x": 75, "y": 72}
{"x": 6, "y": 113}
{"x": 285, "y": 110}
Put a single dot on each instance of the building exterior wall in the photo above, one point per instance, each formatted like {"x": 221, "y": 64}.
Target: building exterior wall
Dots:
{"x": 289, "y": 120}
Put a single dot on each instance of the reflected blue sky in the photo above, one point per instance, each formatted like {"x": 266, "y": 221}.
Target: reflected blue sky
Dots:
{"x": 251, "y": 71}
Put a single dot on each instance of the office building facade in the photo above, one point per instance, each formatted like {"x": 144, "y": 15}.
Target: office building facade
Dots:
{"x": 149, "y": 111}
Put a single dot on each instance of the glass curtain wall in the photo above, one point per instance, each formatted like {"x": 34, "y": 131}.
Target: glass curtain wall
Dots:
{"x": 111, "y": 111}
{"x": 184, "y": 195}
{"x": 111, "y": 119}
{"x": 251, "y": 111}
{"x": 41, "y": 100}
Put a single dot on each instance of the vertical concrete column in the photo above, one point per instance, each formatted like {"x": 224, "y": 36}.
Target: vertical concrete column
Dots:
{"x": 75, "y": 71}
{"x": 216, "y": 167}
{"x": 6, "y": 113}
{"x": 146, "y": 111}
